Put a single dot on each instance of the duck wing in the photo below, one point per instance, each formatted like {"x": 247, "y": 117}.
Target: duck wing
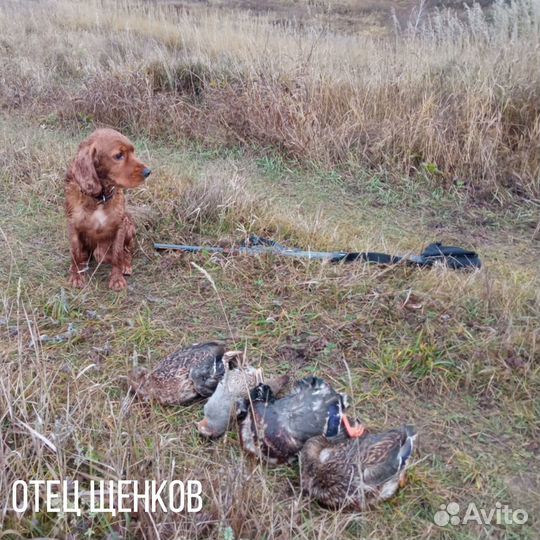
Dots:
{"x": 276, "y": 442}
{"x": 184, "y": 359}
{"x": 300, "y": 418}
{"x": 172, "y": 382}
{"x": 385, "y": 455}
{"x": 263, "y": 426}
{"x": 315, "y": 409}
{"x": 207, "y": 368}
{"x": 289, "y": 422}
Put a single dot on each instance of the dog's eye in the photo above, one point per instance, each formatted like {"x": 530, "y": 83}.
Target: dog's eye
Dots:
{"x": 119, "y": 156}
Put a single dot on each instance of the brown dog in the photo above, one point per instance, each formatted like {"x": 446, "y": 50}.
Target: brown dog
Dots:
{"x": 98, "y": 223}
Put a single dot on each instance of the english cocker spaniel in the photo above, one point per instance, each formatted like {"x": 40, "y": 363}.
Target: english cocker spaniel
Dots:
{"x": 98, "y": 223}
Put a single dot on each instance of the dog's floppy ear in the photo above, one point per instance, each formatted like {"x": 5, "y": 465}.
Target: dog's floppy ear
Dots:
{"x": 84, "y": 171}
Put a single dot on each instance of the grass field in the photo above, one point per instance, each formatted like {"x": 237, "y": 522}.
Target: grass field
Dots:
{"x": 318, "y": 136}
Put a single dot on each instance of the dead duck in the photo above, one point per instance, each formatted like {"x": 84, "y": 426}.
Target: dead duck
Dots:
{"x": 236, "y": 384}
{"x": 276, "y": 429}
{"x": 343, "y": 472}
{"x": 184, "y": 375}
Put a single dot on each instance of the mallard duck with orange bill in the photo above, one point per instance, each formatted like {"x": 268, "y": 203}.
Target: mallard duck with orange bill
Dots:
{"x": 276, "y": 429}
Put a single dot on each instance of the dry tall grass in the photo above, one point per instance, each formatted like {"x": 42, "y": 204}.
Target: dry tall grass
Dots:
{"x": 451, "y": 99}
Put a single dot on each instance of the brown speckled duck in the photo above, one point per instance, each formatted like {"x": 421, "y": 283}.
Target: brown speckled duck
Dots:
{"x": 276, "y": 429}
{"x": 343, "y": 472}
{"x": 184, "y": 375}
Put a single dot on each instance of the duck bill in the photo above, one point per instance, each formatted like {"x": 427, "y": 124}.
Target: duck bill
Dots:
{"x": 204, "y": 429}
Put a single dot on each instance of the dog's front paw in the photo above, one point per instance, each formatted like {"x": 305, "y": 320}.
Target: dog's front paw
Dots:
{"x": 117, "y": 282}
{"x": 77, "y": 280}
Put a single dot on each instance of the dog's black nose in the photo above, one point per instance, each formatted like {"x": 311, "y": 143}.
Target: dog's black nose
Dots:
{"x": 146, "y": 172}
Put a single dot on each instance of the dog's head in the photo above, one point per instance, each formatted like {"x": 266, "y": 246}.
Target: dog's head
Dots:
{"x": 107, "y": 155}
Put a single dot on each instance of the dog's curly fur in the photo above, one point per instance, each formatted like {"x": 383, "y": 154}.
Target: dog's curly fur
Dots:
{"x": 98, "y": 223}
